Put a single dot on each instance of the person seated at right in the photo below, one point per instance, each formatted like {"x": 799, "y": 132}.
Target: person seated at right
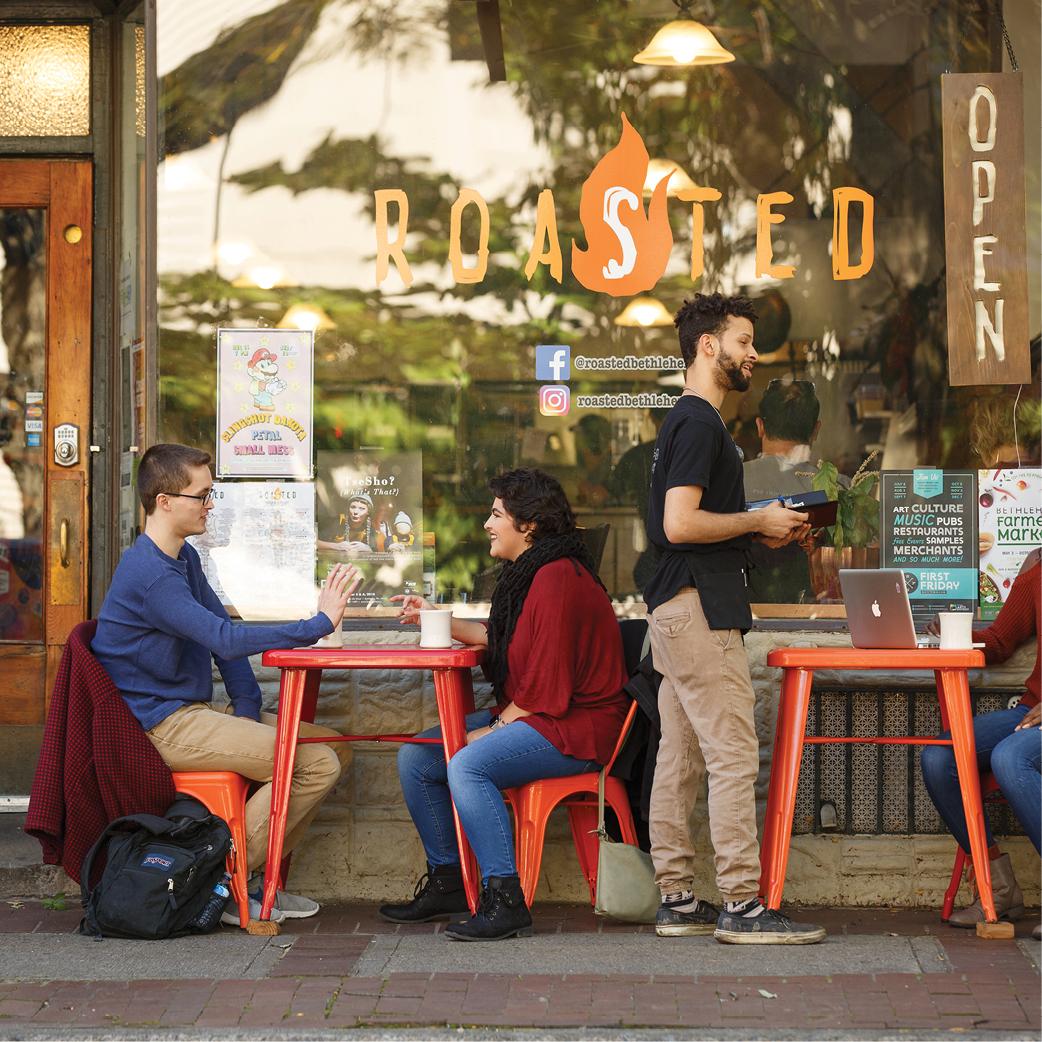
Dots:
{"x": 160, "y": 628}
{"x": 556, "y": 664}
{"x": 1009, "y": 744}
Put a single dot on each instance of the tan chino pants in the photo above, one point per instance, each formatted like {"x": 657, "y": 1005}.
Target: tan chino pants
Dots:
{"x": 706, "y": 704}
{"x": 203, "y": 737}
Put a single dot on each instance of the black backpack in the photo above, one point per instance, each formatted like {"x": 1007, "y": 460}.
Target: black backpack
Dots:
{"x": 159, "y": 873}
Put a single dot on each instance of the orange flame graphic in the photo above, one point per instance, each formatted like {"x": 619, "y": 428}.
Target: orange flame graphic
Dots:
{"x": 626, "y": 251}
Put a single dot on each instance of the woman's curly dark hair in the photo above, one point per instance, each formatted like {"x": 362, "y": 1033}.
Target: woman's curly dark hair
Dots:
{"x": 708, "y": 313}
{"x": 534, "y": 497}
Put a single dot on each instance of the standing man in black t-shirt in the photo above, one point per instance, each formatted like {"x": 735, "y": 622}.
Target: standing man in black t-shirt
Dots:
{"x": 698, "y": 611}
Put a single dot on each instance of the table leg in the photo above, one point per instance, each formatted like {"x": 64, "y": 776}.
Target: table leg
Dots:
{"x": 452, "y": 689}
{"x": 291, "y": 698}
{"x": 954, "y": 689}
{"x": 785, "y": 773}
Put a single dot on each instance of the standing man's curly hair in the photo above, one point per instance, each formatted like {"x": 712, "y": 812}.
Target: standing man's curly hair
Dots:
{"x": 708, "y": 313}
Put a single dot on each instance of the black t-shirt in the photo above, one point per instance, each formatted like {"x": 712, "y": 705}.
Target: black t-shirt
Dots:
{"x": 695, "y": 448}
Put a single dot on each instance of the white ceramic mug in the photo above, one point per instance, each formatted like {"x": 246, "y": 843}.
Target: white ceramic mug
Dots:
{"x": 436, "y": 628}
{"x": 956, "y": 629}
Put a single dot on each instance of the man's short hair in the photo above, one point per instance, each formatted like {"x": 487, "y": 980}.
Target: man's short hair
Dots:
{"x": 708, "y": 313}
{"x": 789, "y": 410}
{"x": 167, "y": 468}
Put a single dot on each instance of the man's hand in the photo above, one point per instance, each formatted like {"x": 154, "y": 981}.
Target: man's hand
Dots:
{"x": 412, "y": 604}
{"x": 797, "y": 535}
{"x": 341, "y": 582}
{"x": 933, "y": 627}
{"x": 778, "y": 522}
{"x": 1031, "y": 719}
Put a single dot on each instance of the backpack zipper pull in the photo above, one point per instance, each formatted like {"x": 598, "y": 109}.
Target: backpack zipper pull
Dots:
{"x": 170, "y": 885}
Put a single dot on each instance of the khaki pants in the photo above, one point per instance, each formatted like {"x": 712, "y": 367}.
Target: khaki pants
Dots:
{"x": 202, "y": 737}
{"x": 706, "y": 703}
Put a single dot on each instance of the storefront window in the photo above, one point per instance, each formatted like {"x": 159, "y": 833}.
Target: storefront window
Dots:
{"x": 279, "y": 123}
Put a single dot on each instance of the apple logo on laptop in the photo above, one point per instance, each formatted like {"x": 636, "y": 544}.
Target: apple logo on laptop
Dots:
{"x": 875, "y": 610}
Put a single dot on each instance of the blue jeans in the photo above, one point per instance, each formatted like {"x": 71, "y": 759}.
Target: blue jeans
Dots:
{"x": 511, "y": 755}
{"x": 1012, "y": 756}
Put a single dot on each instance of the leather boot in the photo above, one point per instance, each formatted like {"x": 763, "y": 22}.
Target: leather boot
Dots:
{"x": 1009, "y": 901}
{"x": 501, "y": 914}
{"x": 438, "y": 894}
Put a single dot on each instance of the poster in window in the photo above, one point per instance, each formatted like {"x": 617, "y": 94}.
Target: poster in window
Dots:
{"x": 1010, "y": 505}
{"x": 369, "y": 512}
{"x": 264, "y": 403}
{"x": 258, "y": 551}
{"x": 929, "y": 530}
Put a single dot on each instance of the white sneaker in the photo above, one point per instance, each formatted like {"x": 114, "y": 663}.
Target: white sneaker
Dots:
{"x": 289, "y": 906}
{"x": 230, "y": 916}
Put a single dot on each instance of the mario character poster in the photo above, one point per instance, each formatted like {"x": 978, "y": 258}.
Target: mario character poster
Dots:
{"x": 369, "y": 510}
{"x": 264, "y": 403}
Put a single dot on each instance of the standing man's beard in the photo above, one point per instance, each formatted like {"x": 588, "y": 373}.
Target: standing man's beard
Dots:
{"x": 734, "y": 377}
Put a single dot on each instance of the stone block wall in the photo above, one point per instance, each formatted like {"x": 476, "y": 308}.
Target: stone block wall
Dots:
{"x": 362, "y": 845}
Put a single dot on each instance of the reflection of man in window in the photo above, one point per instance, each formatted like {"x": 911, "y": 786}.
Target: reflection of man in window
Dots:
{"x": 787, "y": 423}
{"x": 593, "y": 452}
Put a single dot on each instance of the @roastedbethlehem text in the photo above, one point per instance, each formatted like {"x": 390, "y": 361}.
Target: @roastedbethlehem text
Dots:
{"x": 650, "y": 400}
{"x": 627, "y": 362}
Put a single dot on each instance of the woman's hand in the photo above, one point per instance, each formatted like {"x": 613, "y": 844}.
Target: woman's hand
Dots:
{"x": 412, "y": 604}
{"x": 473, "y": 736}
{"x": 1031, "y": 719}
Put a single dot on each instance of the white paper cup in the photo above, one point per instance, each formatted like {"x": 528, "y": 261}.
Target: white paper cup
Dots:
{"x": 332, "y": 640}
{"x": 436, "y": 628}
{"x": 956, "y": 629}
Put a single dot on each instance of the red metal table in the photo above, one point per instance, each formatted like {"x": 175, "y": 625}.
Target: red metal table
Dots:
{"x": 953, "y": 691}
{"x": 298, "y": 694}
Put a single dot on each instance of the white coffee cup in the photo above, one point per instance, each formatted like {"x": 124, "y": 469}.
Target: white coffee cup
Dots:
{"x": 332, "y": 640}
{"x": 956, "y": 629}
{"x": 436, "y": 628}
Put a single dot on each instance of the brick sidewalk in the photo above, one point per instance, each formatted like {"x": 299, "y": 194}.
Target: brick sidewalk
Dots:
{"x": 984, "y": 987}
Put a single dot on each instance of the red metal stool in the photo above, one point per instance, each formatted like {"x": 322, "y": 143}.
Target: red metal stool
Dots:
{"x": 533, "y": 803}
{"x": 224, "y": 793}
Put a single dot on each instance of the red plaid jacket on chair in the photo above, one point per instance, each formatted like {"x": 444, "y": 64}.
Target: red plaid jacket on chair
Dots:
{"x": 96, "y": 763}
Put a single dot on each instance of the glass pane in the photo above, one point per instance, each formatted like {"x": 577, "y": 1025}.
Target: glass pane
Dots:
{"x": 23, "y": 326}
{"x": 277, "y": 128}
{"x": 44, "y": 80}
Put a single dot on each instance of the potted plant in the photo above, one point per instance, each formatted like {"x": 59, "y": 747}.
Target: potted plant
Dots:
{"x": 855, "y": 535}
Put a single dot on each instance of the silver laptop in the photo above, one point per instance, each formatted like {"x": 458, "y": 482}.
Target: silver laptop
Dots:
{"x": 878, "y": 612}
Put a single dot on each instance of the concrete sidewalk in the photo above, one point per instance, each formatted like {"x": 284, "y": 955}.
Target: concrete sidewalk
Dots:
{"x": 880, "y": 974}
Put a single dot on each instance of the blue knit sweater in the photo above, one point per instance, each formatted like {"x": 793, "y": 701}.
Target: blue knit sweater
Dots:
{"x": 159, "y": 626}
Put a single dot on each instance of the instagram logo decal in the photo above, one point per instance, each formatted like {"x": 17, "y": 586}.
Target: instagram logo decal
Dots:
{"x": 554, "y": 400}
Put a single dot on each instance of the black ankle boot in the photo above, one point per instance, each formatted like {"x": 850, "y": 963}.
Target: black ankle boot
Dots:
{"x": 501, "y": 914}
{"x": 438, "y": 894}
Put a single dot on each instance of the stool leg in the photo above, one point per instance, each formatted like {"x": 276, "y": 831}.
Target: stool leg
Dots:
{"x": 785, "y": 773}
{"x": 583, "y": 818}
{"x": 955, "y": 690}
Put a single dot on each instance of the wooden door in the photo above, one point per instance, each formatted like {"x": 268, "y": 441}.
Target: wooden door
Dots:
{"x": 45, "y": 386}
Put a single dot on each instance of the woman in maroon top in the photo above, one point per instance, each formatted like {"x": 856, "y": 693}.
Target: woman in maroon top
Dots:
{"x": 557, "y": 669}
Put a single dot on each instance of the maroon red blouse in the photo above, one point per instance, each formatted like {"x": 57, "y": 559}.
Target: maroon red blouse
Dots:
{"x": 565, "y": 664}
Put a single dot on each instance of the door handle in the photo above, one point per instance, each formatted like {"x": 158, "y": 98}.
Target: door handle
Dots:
{"x": 63, "y": 542}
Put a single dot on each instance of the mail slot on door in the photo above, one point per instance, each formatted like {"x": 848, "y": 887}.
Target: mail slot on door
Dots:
{"x": 66, "y": 444}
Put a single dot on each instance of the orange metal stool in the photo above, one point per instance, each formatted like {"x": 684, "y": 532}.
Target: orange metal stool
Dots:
{"x": 990, "y": 793}
{"x": 224, "y": 793}
{"x": 533, "y": 803}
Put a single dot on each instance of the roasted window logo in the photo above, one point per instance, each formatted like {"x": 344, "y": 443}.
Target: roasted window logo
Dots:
{"x": 627, "y": 250}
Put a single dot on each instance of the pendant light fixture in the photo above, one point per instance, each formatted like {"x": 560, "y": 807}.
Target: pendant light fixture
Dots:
{"x": 644, "y": 312}
{"x": 683, "y": 43}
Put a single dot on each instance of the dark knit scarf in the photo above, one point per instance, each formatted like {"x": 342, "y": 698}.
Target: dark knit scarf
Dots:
{"x": 512, "y": 586}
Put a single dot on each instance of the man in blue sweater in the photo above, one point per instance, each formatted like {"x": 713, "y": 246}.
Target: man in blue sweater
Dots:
{"x": 159, "y": 630}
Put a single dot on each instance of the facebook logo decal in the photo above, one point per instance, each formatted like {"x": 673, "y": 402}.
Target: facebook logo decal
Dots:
{"x": 553, "y": 362}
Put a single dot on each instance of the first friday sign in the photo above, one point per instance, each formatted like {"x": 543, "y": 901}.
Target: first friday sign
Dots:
{"x": 264, "y": 403}
{"x": 984, "y": 228}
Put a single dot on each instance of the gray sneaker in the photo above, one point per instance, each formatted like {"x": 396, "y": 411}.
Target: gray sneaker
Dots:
{"x": 769, "y": 927}
{"x": 289, "y": 906}
{"x": 230, "y": 916}
{"x": 669, "y": 922}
